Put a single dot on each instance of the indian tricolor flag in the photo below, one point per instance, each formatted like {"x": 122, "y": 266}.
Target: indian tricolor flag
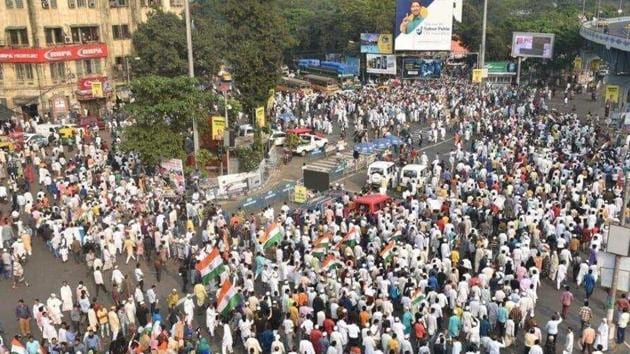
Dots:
{"x": 227, "y": 298}
{"x": 331, "y": 263}
{"x": 387, "y": 253}
{"x": 417, "y": 297}
{"x": 272, "y": 236}
{"x": 211, "y": 267}
{"x": 17, "y": 347}
{"x": 320, "y": 246}
{"x": 350, "y": 240}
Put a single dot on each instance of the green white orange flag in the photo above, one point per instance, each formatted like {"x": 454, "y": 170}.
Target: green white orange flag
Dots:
{"x": 350, "y": 240}
{"x": 17, "y": 347}
{"x": 331, "y": 263}
{"x": 272, "y": 236}
{"x": 320, "y": 246}
{"x": 227, "y": 298}
{"x": 211, "y": 267}
{"x": 387, "y": 253}
{"x": 417, "y": 297}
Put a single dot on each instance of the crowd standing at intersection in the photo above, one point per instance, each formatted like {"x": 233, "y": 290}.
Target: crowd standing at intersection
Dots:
{"x": 524, "y": 196}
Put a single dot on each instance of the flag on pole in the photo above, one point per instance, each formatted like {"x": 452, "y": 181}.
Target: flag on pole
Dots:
{"x": 320, "y": 246}
{"x": 17, "y": 347}
{"x": 227, "y": 298}
{"x": 388, "y": 252}
{"x": 331, "y": 263}
{"x": 350, "y": 240}
{"x": 211, "y": 267}
{"x": 417, "y": 297}
{"x": 272, "y": 236}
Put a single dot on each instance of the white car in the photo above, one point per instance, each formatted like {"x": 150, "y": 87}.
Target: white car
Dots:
{"x": 277, "y": 138}
{"x": 37, "y": 139}
{"x": 379, "y": 170}
{"x": 415, "y": 173}
{"x": 309, "y": 143}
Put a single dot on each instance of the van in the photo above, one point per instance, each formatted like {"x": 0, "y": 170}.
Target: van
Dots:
{"x": 414, "y": 172}
{"x": 379, "y": 170}
{"x": 246, "y": 130}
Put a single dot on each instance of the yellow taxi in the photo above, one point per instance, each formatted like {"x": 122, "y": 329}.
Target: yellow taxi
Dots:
{"x": 6, "y": 143}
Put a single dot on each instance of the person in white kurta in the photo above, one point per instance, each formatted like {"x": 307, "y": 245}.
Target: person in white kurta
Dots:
{"x": 602, "y": 335}
{"x": 189, "y": 309}
{"x": 211, "y": 320}
{"x": 226, "y": 346}
{"x": 66, "y": 297}
{"x": 54, "y": 309}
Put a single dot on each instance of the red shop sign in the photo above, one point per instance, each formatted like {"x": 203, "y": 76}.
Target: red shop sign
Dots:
{"x": 63, "y": 53}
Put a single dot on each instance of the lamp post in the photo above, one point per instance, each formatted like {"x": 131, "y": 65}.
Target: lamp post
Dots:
{"x": 191, "y": 73}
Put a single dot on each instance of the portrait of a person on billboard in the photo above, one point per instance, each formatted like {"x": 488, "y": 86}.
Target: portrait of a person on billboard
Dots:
{"x": 417, "y": 13}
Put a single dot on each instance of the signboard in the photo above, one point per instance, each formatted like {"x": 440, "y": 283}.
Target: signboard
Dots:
{"x": 174, "y": 168}
{"x": 606, "y": 264}
{"x": 414, "y": 68}
{"x": 218, "y": 127}
{"x": 500, "y": 67}
{"x": 535, "y": 45}
{"x": 97, "y": 89}
{"x": 260, "y": 117}
{"x": 477, "y": 75}
{"x": 376, "y": 43}
{"x": 612, "y": 94}
{"x": 380, "y": 64}
{"x": 618, "y": 240}
{"x": 86, "y": 92}
{"x": 301, "y": 194}
{"x": 44, "y": 55}
{"x": 423, "y": 25}
{"x": 577, "y": 64}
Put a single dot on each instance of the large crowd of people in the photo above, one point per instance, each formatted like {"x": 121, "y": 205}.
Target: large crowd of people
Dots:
{"x": 522, "y": 202}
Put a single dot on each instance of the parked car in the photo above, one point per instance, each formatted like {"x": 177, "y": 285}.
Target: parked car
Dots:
{"x": 309, "y": 143}
{"x": 414, "y": 172}
{"x": 379, "y": 170}
{"x": 36, "y": 139}
{"x": 277, "y": 138}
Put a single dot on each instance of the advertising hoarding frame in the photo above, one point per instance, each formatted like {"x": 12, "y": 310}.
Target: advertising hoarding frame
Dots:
{"x": 533, "y": 35}
{"x": 377, "y": 43}
{"x": 431, "y": 26}
{"x": 390, "y": 64}
{"x": 405, "y": 74}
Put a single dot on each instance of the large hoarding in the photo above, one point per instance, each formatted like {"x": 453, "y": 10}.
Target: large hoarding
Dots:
{"x": 376, "y": 43}
{"x": 380, "y": 64}
{"x": 535, "y": 45}
{"x": 423, "y": 25}
{"x": 416, "y": 68}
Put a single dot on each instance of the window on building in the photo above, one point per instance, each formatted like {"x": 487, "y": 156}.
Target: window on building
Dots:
{"x": 49, "y": 4}
{"x": 19, "y": 4}
{"x": 88, "y": 67}
{"x": 9, "y": 4}
{"x": 151, "y": 3}
{"x": 177, "y": 3}
{"x": 118, "y": 3}
{"x": 24, "y": 72}
{"x": 82, "y": 3}
{"x": 120, "y": 66}
{"x": 85, "y": 34}
{"x": 58, "y": 71}
{"x": 54, "y": 35}
{"x": 1, "y": 73}
{"x": 18, "y": 37}
{"x": 121, "y": 31}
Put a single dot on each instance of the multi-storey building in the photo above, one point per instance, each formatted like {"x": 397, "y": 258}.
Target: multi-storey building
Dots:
{"x": 62, "y": 55}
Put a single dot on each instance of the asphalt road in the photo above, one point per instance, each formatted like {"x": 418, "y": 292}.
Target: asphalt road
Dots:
{"x": 45, "y": 273}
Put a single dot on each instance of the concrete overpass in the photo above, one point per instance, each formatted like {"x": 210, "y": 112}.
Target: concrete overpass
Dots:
{"x": 610, "y": 39}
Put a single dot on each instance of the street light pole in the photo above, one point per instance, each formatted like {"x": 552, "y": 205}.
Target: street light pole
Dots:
{"x": 482, "y": 54}
{"x": 191, "y": 73}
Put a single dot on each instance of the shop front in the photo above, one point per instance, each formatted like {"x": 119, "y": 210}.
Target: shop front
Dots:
{"x": 92, "y": 94}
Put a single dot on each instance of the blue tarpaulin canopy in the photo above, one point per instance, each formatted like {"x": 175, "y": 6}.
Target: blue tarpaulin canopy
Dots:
{"x": 364, "y": 148}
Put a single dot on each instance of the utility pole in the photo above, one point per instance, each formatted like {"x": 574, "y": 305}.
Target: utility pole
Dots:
{"x": 616, "y": 270}
{"x": 482, "y": 54}
{"x": 191, "y": 73}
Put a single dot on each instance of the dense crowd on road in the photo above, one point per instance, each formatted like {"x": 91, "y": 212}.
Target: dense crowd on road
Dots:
{"x": 524, "y": 198}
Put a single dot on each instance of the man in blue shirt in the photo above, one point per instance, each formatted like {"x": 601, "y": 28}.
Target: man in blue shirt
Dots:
{"x": 32, "y": 346}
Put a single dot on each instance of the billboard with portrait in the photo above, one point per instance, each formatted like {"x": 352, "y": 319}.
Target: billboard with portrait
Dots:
{"x": 380, "y": 64}
{"x": 535, "y": 45}
{"x": 423, "y": 25}
{"x": 416, "y": 68}
{"x": 376, "y": 43}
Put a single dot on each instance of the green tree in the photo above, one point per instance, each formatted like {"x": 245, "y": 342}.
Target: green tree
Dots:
{"x": 254, "y": 37}
{"x": 163, "y": 110}
{"x": 160, "y": 45}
